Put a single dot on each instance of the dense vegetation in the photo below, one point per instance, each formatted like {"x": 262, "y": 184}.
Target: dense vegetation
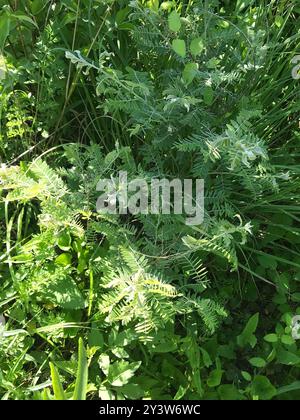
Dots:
{"x": 145, "y": 306}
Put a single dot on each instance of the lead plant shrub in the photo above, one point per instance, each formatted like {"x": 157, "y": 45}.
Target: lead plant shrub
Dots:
{"x": 182, "y": 112}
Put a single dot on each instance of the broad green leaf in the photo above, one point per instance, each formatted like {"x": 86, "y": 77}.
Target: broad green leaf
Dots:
{"x": 179, "y": 47}
{"x": 121, "y": 15}
{"x": 190, "y": 72}
{"x": 180, "y": 393}
{"x": 121, "y": 372}
{"x": 133, "y": 391}
{"x": 174, "y": 21}
{"x": 267, "y": 261}
{"x": 24, "y": 18}
{"x": 197, "y": 382}
{"x": 287, "y": 339}
{"x": 165, "y": 347}
{"x": 247, "y": 335}
{"x": 95, "y": 337}
{"x": 271, "y": 356}
{"x": 214, "y": 378}
{"x": 271, "y": 338}
{"x": 64, "y": 241}
{"x": 106, "y": 393}
{"x": 196, "y": 46}
{"x": 262, "y": 388}
{"x": 246, "y": 376}
{"x": 82, "y": 373}
{"x": 287, "y": 318}
{"x": 229, "y": 392}
{"x": 287, "y": 358}
{"x": 120, "y": 353}
{"x": 36, "y": 6}
{"x": 257, "y": 362}
{"x": 104, "y": 363}
{"x": 123, "y": 338}
{"x": 62, "y": 290}
{"x": 56, "y": 384}
{"x": 64, "y": 259}
{"x": 206, "y": 357}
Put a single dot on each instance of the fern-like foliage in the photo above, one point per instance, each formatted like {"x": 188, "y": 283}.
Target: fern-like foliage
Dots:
{"x": 210, "y": 312}
{"x": 133, "y": 294}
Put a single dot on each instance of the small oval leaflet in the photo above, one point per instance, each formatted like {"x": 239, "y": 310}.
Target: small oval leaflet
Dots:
{"x": 174, "y": 21}
{"x": 189, "y": 72}
{"x": 179, "y": 47}
{"x": 196, "y": 46}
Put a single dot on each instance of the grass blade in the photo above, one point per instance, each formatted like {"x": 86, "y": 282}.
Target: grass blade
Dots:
{"x": 82, "y": 374}
{"x": 59, "y": 392}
